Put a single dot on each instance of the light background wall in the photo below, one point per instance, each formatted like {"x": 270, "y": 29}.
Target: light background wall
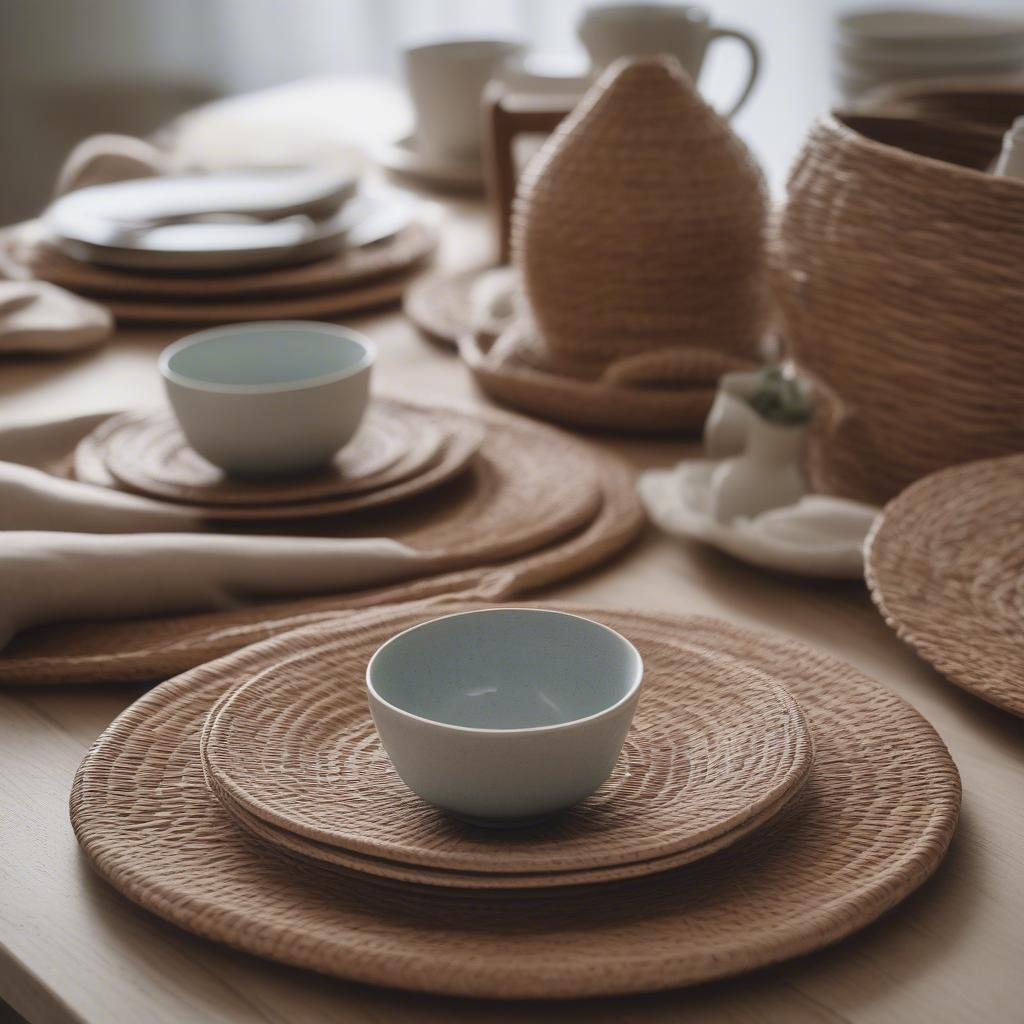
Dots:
{"x": 69, "y": 68}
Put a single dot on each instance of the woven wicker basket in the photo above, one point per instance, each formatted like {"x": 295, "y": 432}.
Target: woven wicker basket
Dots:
{"x": 640, "y": 225}
{"x": 900, "y": 280}
{"x": 982, "y": 102}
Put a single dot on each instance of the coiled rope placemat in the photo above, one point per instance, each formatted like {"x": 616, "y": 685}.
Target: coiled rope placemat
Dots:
{"x": 348, "y": 269}
{"x": 148, "y": 453}
{"x": 538, "y": 462}
{"x": 384, "y": 871}
{"x": 95, "y": 462}
{"x": 872, "y": 823}
{"x": 945, "y": 564}
{"x": 590, "y": 404}
{"x": 711, "y": 746}
{"x": 440, "y": 303}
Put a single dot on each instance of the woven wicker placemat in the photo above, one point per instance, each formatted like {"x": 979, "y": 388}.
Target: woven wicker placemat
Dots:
{"x": 327, "y": 305}
{"x": 290, "y": 844}
{"x": 346, "y": 270}
{"x": 945, "y": 564}
{"x": 147, "y": 452}
{"x": 147, "y": 649}
{"x": 582, "y": 403}
{"x": 296, "y": 747}
{"x": 440, "y": 303}
{"x": 872, "y": 823}
{"x": 458, "y": 452}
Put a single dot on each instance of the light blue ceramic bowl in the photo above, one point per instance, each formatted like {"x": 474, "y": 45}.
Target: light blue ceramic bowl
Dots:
{"x": 507, "y": 715}
{"x": 270, "y": 398}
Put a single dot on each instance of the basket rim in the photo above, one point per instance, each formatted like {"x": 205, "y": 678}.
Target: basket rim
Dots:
{"x": 834, "y": 122}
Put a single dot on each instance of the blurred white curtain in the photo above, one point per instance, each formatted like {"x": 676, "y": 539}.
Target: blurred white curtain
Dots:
{"x": 69, "y": 68}
{"x": 317, "y": 36}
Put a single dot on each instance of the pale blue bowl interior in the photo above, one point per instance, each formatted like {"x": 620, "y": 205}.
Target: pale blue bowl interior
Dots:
{"x": 268, "y": 356}
{"x": 506, "y": 669}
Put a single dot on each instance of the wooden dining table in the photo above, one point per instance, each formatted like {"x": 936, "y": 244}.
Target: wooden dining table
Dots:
{"x": 74, "y": 950}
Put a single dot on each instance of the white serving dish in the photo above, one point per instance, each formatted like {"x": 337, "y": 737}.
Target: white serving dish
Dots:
{"x": 270, "y": 398}
{"x": 507, "y": 715}
{"x": 815, "y": 536}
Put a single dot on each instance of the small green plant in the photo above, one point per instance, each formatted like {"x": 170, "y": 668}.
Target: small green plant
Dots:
{"x": 779, "y": 398}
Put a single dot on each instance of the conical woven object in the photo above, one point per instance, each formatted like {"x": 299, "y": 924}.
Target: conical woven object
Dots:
{"x": 640, "y": 225}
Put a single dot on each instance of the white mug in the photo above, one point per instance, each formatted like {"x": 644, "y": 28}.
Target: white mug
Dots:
{"x": 446, "y": 81}
{"x": 611, "y": 31}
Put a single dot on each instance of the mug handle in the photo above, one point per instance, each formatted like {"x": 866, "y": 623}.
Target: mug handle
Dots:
{"x": 755, "y": 61}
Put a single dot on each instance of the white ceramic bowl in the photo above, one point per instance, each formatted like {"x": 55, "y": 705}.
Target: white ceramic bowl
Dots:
{"x": 271, "y": 398}
{"x": 507, "y": 715}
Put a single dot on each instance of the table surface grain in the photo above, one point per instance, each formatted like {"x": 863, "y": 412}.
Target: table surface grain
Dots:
{"x": 72, "y": 949}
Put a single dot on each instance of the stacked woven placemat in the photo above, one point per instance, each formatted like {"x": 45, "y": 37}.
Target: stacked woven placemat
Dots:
{"x": 495, "y": 504}
{"x": 793, "y": 803}
{"x": 347, "y": 281}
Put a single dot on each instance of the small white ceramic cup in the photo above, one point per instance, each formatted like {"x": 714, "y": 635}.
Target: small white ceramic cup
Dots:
{"x": 507, "y": 715}
{"x": 446, "y": 82}
{"x": 271, "y": 398}
{"x": 611, "y": 31}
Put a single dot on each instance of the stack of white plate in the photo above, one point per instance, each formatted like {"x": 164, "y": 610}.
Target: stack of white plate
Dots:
{"x": 878, "y": 46}
{"x": 221, "y": 221}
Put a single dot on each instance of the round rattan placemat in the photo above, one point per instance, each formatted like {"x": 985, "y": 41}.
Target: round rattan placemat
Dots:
{"x": 139, "y": 650}
{"x": 290, "y": 844}
{"x": 500, "y": 501}
{"x": 873, "y": 822}
{"x": 295, "y": 747}
{"x": 147, "y": 452}
{"x": 347, "y": 270}
{"x": 457, "y": 454}
{"x": 326, "y": 305}
{"x": 945, "y": 564}
{"x": 582, "y": 403}
{"x": 440, "y": 303}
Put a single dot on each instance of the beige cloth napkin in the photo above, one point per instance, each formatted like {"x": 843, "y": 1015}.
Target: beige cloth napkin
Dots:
{"x": 102, "y": 159}
{"x": 38, "y": 317}
{"x": 137, "y": 568}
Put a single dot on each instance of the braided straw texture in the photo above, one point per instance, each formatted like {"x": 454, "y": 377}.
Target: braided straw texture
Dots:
{"x": 93, "y": 464}
{"x": 522, "y": 465}
{"x": 945, "y": 564}
{"x": 440, "y": 303}
{"x": 148, "y": 453}
{"x": 901, "y": 285}
{"x": 872, "y": 823}
{"x": 325, "y": 305}
{"x": 296, "y": 748}
{"x": 348, "y": 269}
{"x": 500, "y": 369}
{"x": 303, "y": 849}
{"x": 640, "y": 224}
{"x": 991, "y": 103}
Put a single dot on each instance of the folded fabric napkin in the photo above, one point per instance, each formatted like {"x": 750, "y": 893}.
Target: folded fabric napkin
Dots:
{"x": 37, "y": 317}
{"x": 137, "y": 567}
{"x": 55, "y": 577}
{"x": 102, "y": 159}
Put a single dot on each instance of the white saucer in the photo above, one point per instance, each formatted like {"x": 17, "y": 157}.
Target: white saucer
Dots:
{"x": 818, "y": 536}
{"x": 403, "y": 158}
